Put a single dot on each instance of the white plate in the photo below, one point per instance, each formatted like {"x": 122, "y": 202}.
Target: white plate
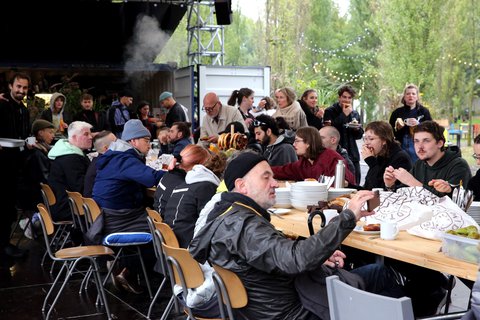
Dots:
{"x": 275, "y": 211}
{"x": 359, "y": 229}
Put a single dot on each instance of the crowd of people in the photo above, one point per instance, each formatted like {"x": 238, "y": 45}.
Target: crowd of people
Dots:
{"x": 217, "y": 207}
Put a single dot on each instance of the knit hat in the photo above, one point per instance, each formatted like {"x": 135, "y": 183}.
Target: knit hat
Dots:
{"x": 240, "y": 166}
{"x": 40, "y": 124}
{"x": 165, "y": 95}
{"x": 134, "y": 129}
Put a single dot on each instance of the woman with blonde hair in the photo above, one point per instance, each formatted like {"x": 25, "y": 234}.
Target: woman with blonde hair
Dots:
{"x": 405, "y": 118}
{"x": 289, "y": 108}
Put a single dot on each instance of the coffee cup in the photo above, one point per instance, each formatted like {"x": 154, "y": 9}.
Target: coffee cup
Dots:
{"x": 329, "y": 215}
{"x": 30, "y": 141}
{"x": 411, "y": 122}
{"x": 388, "y": 230}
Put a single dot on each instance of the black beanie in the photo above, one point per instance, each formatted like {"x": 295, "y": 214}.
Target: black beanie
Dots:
{"x": 240, "y": 166}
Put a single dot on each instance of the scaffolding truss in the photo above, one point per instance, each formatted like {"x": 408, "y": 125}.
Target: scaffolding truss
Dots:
{"x": 205, "y": 37}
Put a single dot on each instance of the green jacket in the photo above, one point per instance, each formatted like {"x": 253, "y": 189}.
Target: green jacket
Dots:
{"x": 451, "y": 167}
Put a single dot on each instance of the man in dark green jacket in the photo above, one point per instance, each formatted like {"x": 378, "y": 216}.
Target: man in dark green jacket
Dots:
{"x": 437, "y": 167}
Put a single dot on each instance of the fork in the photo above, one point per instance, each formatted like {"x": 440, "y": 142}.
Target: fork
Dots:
{"x": 272, "y": 211}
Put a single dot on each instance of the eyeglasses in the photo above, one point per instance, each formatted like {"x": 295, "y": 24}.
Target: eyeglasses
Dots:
{"x": 257, "y": 123}
{"x": 210, "y": 109}
{"x": 298, "y": 140}
{"x": 476, "y": 156}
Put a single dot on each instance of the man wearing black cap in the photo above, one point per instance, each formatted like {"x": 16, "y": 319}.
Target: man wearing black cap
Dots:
{"x": 238, "y": 236}
{"x": 118, "y": 113}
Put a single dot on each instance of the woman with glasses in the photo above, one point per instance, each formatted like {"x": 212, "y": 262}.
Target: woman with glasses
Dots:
{"x": 474, "y": 183}
{"x": 289, "y": 108}
{"x": 313, "y": 159}
{"x": 379, "y": 151}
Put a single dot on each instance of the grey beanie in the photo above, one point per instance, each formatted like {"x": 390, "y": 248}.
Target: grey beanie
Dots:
{"x": 134, "y": 129}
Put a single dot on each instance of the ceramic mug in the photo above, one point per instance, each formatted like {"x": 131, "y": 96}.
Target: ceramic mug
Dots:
{"x": 30, "y": 141}
{"x": 329, "y": 215}
{"x": 388, "y": 230}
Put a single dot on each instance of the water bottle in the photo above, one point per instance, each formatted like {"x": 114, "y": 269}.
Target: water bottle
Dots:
{"x": 339, "y": 174}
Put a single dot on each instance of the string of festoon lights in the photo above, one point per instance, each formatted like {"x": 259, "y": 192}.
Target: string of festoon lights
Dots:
{"x": 313, "y": 47}
{"x": 458, "y": 61}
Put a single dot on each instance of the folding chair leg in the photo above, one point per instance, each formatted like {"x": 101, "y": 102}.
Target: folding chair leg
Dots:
{"x": 52, "y": 287}
{"x": 65, "y": 281}
{"x": 157, "y": 294}
{"x": 168, "y": 309}
{"x": 145, "y": 275}
{"x": 99, "y": 285}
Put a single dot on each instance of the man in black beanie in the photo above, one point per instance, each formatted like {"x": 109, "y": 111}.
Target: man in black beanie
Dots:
{"x": 238, "y": 236}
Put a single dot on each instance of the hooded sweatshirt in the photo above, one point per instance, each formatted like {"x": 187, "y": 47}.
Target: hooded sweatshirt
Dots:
{"x": 58, "y": 118}
{"x": 187, "y": 200}
{"x": 280, "y": 152}
{"x": 451, "y": 167}
{"x": 122, "y": 177}
{"x": 67, "y": 172}
{"x": 293, "y": 115}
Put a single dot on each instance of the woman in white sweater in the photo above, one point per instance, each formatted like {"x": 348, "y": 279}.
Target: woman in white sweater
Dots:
{"x": 289, "y": 108}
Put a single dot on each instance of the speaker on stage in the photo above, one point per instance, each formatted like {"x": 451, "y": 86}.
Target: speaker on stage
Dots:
{"x": 223, "y": 11}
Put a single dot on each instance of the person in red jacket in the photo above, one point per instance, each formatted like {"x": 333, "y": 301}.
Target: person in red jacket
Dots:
{"x": 313, "y": 159}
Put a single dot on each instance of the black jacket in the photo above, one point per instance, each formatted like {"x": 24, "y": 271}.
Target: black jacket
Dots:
{"x": 66, "y": 173}
{"x": 167, "y": 183}
{"x": 348, "y": 136}
{"x": 474, "y": 185}
{"x": 397, "y": 158}
{"x": 405, "y": 112}
{"x": 312, "y": 119}
{"x": 238, "y": 236}
{"x": 97, "y": 119}
{"x": 175, "y": 114}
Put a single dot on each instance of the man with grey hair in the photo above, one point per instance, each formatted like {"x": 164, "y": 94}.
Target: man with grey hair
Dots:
{"x": 69, "y": 165}
{"x": 331, "y": 140}
{"x": 238, "y": 236}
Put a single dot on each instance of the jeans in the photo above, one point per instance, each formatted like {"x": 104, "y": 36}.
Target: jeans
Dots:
{"x": 407, "y": 145}
{"x": 380, "y": 280}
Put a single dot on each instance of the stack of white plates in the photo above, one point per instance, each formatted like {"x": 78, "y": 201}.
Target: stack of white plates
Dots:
{"x": 335, "y": 193}
{"x": 282, "y": 198}
{"x": 474, "y": 211}
{"x": 307, "y": 193}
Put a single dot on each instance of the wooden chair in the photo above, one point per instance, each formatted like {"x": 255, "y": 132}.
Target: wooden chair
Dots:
{"x": 78, "y": 213}
{"x": 154, "y": 215}
{"x": 71, "y": 257}
{"x": 346, "y": 302}
{"x": 183, "y": 271}
{"x": 92, "y": 210}
{"x": 62, "y": 233}
{"x": 230, "y": 291}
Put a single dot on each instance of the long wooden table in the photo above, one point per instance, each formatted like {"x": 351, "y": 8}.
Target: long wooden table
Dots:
{"x": 408, "y": 248}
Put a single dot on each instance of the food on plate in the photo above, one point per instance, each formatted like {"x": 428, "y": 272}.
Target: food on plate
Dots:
{"x": 372, "y": 227}
{"x": 310, "y": 179}
{"x": 236, "y": 141}
{"x": 469, "y": 232}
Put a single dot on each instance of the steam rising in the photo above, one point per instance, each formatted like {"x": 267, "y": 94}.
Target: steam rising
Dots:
{"x": 147, "y": 42}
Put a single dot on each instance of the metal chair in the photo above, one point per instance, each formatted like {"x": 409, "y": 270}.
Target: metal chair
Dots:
{"x": 92, "y": 210}
{"x": 78, "y": 213}
{"x": 71, "y": 257}
{"x": 230, "y": 291}
{"x": 154, "y": 215}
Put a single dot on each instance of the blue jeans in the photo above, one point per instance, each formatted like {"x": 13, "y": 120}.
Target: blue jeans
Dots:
{"x": 407, "y": 145}
{"x": 380, "y": 280}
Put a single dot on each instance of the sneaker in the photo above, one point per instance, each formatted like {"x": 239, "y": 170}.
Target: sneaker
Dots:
{"x": 22, "y": 223}
{"x": 127, "y": 283}
{"x": 28, "y": 232}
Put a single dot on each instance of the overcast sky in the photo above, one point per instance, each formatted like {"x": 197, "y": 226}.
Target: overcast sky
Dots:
{"x": 255, "y": 8}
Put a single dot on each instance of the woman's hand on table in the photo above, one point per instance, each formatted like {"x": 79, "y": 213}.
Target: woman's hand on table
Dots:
{"x": 358, "y": 201}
